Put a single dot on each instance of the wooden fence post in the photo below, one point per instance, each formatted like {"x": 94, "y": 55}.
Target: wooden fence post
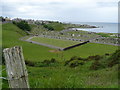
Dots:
{"x": 15, "y": 67}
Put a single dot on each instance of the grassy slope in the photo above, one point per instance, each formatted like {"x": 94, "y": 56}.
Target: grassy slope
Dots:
{"x": 55, "y": 42}
{"x": 79, "y": 77}
{"x": 11, "y": 38}
{"x": 66, "y": 77}
{"x": 57, "y": 26}
{"x": 50, "y": 77}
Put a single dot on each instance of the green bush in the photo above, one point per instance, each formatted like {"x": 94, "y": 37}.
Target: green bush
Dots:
{"x": 114, "y": 59}
{"x": 75, "y": 63}
{"x": 76, "y": 58}
{"x": 95, "y": 65}
{"x": 29, "y": 63}
{"x": 53, "y": 60}
{"x": 48, "y": 27}
{"x": 23, "y": 25}
{"x": 2, "y": 19}
{"x": 96, "y": 57}
{"x": 47, "y": 63}
{"x": 71, "y": 59}
{"x": 107, "y": 54}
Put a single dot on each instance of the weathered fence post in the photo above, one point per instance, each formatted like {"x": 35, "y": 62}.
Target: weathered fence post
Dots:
{"x": 15, "y": 67}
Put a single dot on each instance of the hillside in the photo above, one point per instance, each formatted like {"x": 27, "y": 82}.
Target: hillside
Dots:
{"x": 57, "y": 26}
{"x": 45, "y": 68}
{"x": 11, "y": 37}
{"x": 48, "y": 74}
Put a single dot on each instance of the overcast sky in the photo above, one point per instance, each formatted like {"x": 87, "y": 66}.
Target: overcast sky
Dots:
{"x": 62, "y": 10}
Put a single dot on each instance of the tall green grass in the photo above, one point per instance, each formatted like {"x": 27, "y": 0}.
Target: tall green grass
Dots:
{"x": 79, "y": 77}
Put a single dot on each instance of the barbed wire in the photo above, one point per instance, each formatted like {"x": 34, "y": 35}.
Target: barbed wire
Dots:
{"x": 4, "y": 78}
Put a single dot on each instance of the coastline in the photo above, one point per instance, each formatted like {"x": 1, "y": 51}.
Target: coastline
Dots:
{"x": 103, "y": 27}
{"x": 91, "y": 30}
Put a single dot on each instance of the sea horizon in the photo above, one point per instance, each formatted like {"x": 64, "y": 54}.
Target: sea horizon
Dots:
{"x": 105, "y": 27}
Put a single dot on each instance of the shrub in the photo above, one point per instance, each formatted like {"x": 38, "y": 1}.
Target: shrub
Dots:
{"x": 114, "y": 59}
{"x": 95, "y": 65}
{"x": 76, "y": 58}
{"x": 14, "y": 22}
{"x": 75, "y": 63}
{"x": 79, "y": 58}
{"x": 46, "y": 63}
{"x": 48, "y": 27}
{"x": 66, "y": 63}
{"x": 29, "y": 63}
{"x": 96, "y": 57}
{"x": 23, "y": 25}
{"x": 2, "y": 19}
{"x": 107, "y": 54}
{"x": 73, "y": 59}
{"x": 61, "y": 33}
{"x": 53, "y": 60}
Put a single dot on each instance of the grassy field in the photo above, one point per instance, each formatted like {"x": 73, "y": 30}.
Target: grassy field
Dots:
{"x": 55, "y": 42}
{"x": 90, "y": 49}
{"x": 58, "y": 75}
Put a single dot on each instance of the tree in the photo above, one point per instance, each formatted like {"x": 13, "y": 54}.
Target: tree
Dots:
{"x": 48, "y": 27}
{"x": 2, "y": 19}
{"x": 23, "y": 25}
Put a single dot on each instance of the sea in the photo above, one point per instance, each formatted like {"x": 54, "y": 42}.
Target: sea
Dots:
{"x": 103, "y": 27}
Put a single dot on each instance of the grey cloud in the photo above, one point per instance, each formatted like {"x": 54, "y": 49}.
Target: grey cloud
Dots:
{"x": 63, "y": 11}
{"x": 107, "y": 4}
